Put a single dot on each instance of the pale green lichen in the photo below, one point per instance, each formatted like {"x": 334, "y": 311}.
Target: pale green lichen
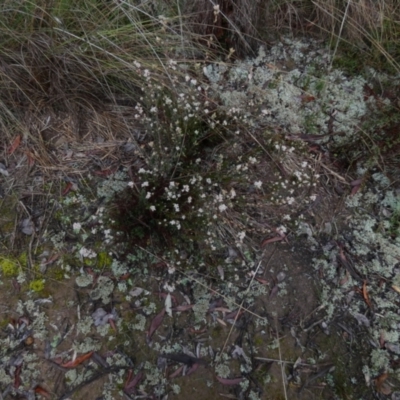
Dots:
{"x": 140, "y": 324}
{"x": 222, "y": 370}
{"x": 84, "y": 280}
{"x": 84, "y": 326}
{"x": 86, "y": 345}
{"x": 103, "y": 290}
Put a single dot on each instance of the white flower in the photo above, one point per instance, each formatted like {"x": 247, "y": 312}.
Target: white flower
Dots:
{"x": 232, "y": 194}
{"x": 168, "y": 287}
{"x": 185, "y": 188}
{"x": 252, "y": 160}
{"x": 176, "y": 207}
{"x": 148, "y": 195}
{"x": 281, "y": 230}
{"x": 152, "y": 208}
{"x": 242, "y": 235}
{"x": 189, "y": 200}
{"x": 84, "y": 252}
{"x": 258, "y": 184}
{"x": 76, "y": 226}
{"x": 222, "y": 207}
{"x": 171, "y": 269}
{"x": 142, "y": 171}
{"x": 144, "y": 184}
{"x": 290, "y": 200}
{"x": 171, "y": 184}
{"x": 130, "y": 184}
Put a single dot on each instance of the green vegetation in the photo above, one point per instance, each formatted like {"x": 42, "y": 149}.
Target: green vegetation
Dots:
{"x": 9, "y": 267}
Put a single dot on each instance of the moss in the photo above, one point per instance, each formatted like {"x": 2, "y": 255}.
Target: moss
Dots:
{"x": 23, "y": 258}
{"x": 9, "y": 267}
{"x": 57, "y": 274}
{"x": 104, "y": 260}
{"x": 37, "y": 285}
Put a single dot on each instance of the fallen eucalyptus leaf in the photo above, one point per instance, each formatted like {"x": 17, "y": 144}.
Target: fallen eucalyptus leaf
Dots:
{"x": 27, "y": 226}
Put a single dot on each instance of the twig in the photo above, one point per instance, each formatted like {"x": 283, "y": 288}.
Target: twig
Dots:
{"x": 240, "y": 307}
{"x": 280, "y": 360}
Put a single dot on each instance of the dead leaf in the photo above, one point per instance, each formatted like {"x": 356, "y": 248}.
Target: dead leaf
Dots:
{"x": 67, "y": 189}
{"x": 396, "y": 288}
{"x": 177, "y": 372}
{"x": 382, "y": 339}
{"x": 344, "y": 280}
{"x": 165, "y": 295}
{"x": 354, "y": 190}
{"x": 380, "y": 380}
{"x": 221, "y": 272}
{"x": 78, "y": 360}
{"x": 193, "y": 369}
{"x": 17, "y": 376}
{"x": 225, "y": 381}
{"x": 42, "y": 392}
{"x": 365, "y": 294}
{"x": 262, "y": 281}
{"x": 362, "y": 319}
{"x": 16, "y": 142}
{"x": 395, "y": 348}
{"x": 30, "y": 157}
{"x": 183, "y": 307}
{"x": 221, "y": 322}
{"x": 274, "y": 291}
{"x": 112, "y": 324}
{"x": 125, "y": 276}
{"x": 137, "y": 291}
{"x": 272, "y": 240}
{"x": 357, "y": 182}
{"x": 198, "y": 331}
{"x": 3, "y": 170}
{"x": 106, "y": 172}
{"x": 168, "y": 304}
{"x": 130, "y": 384}
{"x": 27, "y": 226}
{"x": 307, "y": 98}
{"x": 222, "y": 309}
{"x": 155, "y": 323}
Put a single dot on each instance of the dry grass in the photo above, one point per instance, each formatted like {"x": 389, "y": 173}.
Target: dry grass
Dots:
{"x": 67, "y": 72}
{"x": 69, "y": 76}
